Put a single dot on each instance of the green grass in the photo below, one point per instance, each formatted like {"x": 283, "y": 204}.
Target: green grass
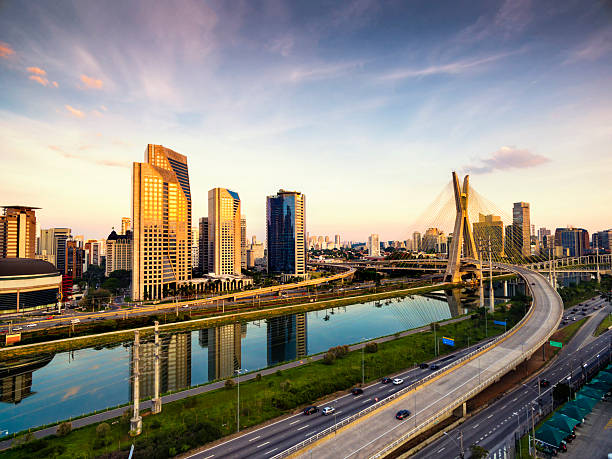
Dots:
{"x": 214, "y": 413}
{"x": 604, "y": 325}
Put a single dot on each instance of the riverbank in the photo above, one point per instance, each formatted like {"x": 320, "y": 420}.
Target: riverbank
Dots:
{"x": 276, "y": 392}
{"x": 101, "y": 339}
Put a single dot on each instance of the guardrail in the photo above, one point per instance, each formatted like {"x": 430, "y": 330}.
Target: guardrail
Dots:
{"x": 414, "y": 385}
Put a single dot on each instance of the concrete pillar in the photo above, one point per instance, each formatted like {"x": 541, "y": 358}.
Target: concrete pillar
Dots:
{"x": 460, "y": 411}
{"x": 506, "y": 289}
{"x": 136, "y": 421}
{"x": 156, "y": 401}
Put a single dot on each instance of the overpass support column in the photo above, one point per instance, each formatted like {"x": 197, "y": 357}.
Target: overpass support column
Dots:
{"x": 506, "y": 288}
{"x": 460, "y": 411}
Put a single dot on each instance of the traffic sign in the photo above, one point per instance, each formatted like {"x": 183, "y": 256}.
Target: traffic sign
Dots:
{"x": 500, "y": 322}
{"x": 556, "y": 344}
{"x": 449, "y": 341}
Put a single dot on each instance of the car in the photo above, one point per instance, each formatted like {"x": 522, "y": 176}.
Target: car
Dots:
{"x": 356, "y": 391}
{"x": 533, "y": 283}
{"x": 327, "y": 410}
{"x": 423, "y": 365}
{"x": 310, "y": 410}
{"x": 31, "y": 325}
{"x": 398, "y": 381}
{"x": 385, "y": 380}
{"x": 402, "y": 414}
{"x": 434, "y": 366}
{"x": 17, "y": 328}
{"x": 544, "y": 383}
{"x": 75, "y": 321}
{"x": 50, "y": 317}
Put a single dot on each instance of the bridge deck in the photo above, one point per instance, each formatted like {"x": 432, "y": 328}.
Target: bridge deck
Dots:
{"x": 373, "y": 432}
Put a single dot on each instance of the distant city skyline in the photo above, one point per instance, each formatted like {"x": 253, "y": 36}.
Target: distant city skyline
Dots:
{"x": 376, "y": 102}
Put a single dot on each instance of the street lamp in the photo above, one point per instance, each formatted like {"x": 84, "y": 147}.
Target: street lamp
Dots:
{"x": 363, "y": 361}
{"x": 461, "y": 454}
{"x": 238, "y": 371}
{"x": 518, "y": 429}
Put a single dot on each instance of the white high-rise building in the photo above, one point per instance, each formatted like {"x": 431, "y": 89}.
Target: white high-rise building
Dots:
{"x": 224, "y": 232}
{"x": 374, "y": 246}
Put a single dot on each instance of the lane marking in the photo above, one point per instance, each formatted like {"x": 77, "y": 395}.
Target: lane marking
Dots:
{"x": 263, "y": 444}
{"x": 476, "y": 425}
{"x": 291, "y": 423}
{"x": 271, "y": 451}
{"x": 208, "y": 457}
{"x": 441, "y": 449}
{"x": 366, "y": 401}
{"x": 303, "y": 427}
{"x": 255, "y": 438}
{"x": 489, "y": 416}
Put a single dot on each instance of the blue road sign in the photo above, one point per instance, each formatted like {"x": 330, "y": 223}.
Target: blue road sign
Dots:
{"x": 449, "y": 341}
{"x": 500, "y": 322}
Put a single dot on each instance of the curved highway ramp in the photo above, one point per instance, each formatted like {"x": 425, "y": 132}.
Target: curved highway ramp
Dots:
{"x": 376, "y": 432}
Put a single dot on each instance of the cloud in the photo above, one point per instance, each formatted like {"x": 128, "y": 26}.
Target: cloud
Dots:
{"x": 39, "y": 79}
{"x": 598, "y": 45}
{"x": 71, "y": 392}
{"x": 97, "y": 161}
{"x": 55, "y": 85}
{"x": 6, "y": 50}
{"x": 507, "y": 158}
{"x": 452, "y": 68}
{"x": 509, "y": 20}
{"x": 323, "y": 71}
{"x": 91, "y": 83}
{"x": 74, "y": 111}
{"x": 37, "y": 71}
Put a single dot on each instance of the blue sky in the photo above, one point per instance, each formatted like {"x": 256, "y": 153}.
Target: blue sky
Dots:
{"x": 366, "y": 106}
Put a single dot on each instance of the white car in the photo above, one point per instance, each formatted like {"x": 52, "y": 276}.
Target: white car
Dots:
{"x": 327, "y": 410}
{"x": 31, "y": 325}
{"x": 398, "y": 381}
{"x": 16, "y": 328}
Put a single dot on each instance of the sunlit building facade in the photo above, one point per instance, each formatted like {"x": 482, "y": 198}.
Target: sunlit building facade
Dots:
{"x": 489, "y": 231}
{"x": 224, "y": 232}
{"x": 161, "y": 216}
{"x": 18, "y": 232}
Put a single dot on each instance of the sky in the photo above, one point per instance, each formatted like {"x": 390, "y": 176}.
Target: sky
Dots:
{"x": 366, "y": 107}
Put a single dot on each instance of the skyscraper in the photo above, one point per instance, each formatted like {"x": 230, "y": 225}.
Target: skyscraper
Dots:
{"x": 243, "y": 256}
{"x": 74, "y": 260}
{"x": 489, "y": 229}
{"x": 18, "y": 232}
{"x": 195, "y": 247}
{"x": 286, "y": 233}
{"x": 574, "y": 241}
{"x": 522, "y": 230}
{"x": 373, "y": 246}
{"x": 416, "y": 241}
{"x": 119, "y": 252}
{"x": 126, "y": 224}
{"x": 204, "y": 247}
{"x": 224, "y": 234}
{"x": 161, "y": 216}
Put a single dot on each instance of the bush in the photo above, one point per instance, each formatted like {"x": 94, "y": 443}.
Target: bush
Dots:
{"x": 64, "y": 429}
{"x": 103, "y": 430}
{"x": 339, "y": 351}
{"x": 258, "y": 377}
{"x": 229, "y": 383}
{"x": 329, "y": 358}
{"x": 371, "y": 348}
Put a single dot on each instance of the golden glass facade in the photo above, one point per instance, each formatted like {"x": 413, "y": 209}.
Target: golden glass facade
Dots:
{"x": 18, "y": 232}
{"x": 224, "y": 232}
{"x": 161, "y": 216}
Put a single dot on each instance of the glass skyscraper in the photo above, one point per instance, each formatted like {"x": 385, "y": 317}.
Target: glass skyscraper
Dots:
{"x": 285, "y": 233}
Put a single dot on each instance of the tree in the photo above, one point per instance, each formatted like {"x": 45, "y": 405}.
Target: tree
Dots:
{"x": 103, "y": 430}
{"x": 64, "y": 429}
{"x": 95, "y": 298}
{"x": 478, "y": 452}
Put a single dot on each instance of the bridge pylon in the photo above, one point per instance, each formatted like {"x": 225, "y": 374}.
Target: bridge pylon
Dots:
{"x": 463, "y": 259}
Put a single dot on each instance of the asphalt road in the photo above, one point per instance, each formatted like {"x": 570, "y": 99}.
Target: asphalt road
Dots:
{"x": 269, "y": 440}
{"x": 380, "y": 428}
{"x": 492, "y": 425}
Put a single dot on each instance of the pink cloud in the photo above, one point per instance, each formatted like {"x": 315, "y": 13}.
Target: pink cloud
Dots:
{"x": 39, "y": 79}
{"x": 98, "y": 161}
{"x": 55, "y": 85}
{"x": 91, "y": 83}
{"x": 6, "y": 50}
{"x": 37, "y": 71}
{"x": 508, "y": 158}
{"x": 74, "y": 111}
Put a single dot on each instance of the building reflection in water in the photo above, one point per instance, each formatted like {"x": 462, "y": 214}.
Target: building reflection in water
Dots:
{"x": 224, "y": 349}
{"x": 286, "y": 338}
{"x": 16, "y": 377}
{"x": 174, "y": 365}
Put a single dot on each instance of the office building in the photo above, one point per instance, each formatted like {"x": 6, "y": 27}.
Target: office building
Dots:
{"x": 161, "y": 219}
{"x": 74, "y": 259}
{"x": 522, "y": 229}
{"x": 224, "y": 233}
{"x": 195, "y": 247}
{"x": 337, "y": 241}
{"x": 18, "y": 232}
{"x": 373, "y": 245}
{"x": 119, "y": 252}
{"x": 489, "y": 229}
{"x": 286, "y": 233}
{"x": 286, "y": 338}
{"x": 416, "y": 241}
{"x": 53, "y": 246}
{"x": 204, "y": 247}
{"x": 574, "y": 242}
{"x": 602, "y": 240}
{"x": 126, "y": 225}
{"x": 243, "y": 239}
{"x": 256, "y": 254}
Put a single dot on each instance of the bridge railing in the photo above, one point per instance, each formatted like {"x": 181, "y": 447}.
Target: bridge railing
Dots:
{"x": 415, "y": 385}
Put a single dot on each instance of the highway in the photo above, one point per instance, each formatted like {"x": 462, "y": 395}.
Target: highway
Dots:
{"x": 267, "y": 441}
{"x": 493, "y": 424}
{"x": 458, "y": 383}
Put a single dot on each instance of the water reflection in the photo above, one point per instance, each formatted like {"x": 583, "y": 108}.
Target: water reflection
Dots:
{"x": 38, "y": 391}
